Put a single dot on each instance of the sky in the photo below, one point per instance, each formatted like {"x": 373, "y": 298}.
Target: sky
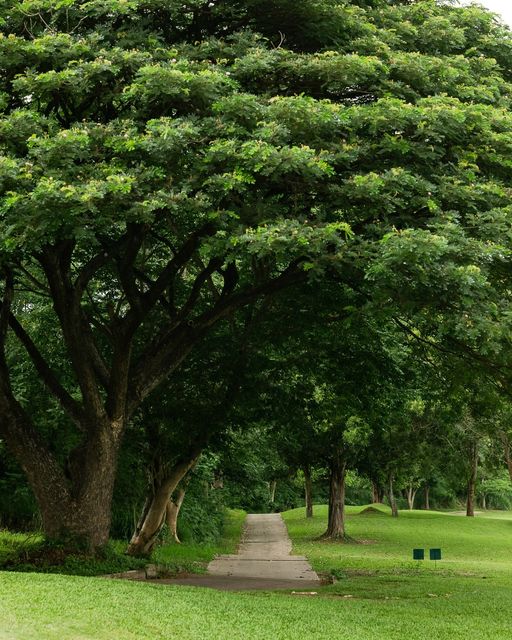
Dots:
{"x": 503, "y": 7}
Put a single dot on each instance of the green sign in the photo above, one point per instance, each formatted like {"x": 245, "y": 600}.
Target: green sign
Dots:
{"x": 435, "y": 554}
{"x": 418, "y": 554}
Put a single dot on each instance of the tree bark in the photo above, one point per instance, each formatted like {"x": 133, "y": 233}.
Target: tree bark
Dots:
{"x": 272, "y": 491}
{"x": 77, "y": 510}
{"x": 473, "y": 473}
{"x": 411, "y": 495}
{"x": 75, "y": 505}
{"x": 74, "y": 501}
{"x": 155, "y": 509}
{"x": 174, "y": 505}
{"x": 173, "y": 510}
{"x": 508, "y": 453}
{"x": 308, "y": 491}
{"x": 376, "y": 493}
{"x": 427, "y": 498}
{"x": 392, "y": 498}
{"x": 336, "y": 515}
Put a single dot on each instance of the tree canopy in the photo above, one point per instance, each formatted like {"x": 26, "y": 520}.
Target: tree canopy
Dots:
{"x": 165, "y": 164}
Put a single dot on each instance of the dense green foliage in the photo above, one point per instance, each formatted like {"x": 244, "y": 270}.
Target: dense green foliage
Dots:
{"x": 168, "y": 171}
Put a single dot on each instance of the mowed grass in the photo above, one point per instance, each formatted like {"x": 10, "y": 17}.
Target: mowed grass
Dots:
{"x": 39, "y": 606}
{"x": 479, "y": 546}
{"x": 382, "y": 596}
{"x": 467, "y": 594}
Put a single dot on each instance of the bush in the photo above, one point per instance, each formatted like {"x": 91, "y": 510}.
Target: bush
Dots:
{"x": 20, "y": 552}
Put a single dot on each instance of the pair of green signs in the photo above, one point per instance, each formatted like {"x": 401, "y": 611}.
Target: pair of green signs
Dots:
{"x": 419, "y": 554}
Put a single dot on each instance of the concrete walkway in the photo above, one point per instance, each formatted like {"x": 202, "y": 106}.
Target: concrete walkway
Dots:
{"x": 264, "y": 561}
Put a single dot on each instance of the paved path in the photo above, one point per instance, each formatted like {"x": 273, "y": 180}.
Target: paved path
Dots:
{"x": 263, "y": 561}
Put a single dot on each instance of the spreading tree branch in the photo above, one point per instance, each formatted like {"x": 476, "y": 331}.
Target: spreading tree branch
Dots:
{"x": 175, "y": 342}
{"x": 71, "y": 406}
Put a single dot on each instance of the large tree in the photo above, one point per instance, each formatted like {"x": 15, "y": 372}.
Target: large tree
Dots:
{"x": 164, "y": 165}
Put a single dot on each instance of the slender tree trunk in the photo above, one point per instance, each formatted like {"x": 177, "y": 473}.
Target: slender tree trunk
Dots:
{"x": 411, "y": 495}
{"x": 484, "y": 502}
{"x": 508, "y": 453}
{"x": 173, "y": 510}
{"x": 272, "y": 491}
{"x": 155, "y": 509}
{"x": 473, "y": 472}
{"x": 427, "y": 497}
{"x": 392, "y": 499}
{"x": 336, "y": 517}
{"x": 376, "y": 493}
{"x": 308, "y": 491}
{"x": 174, "y": 505}
{"x": 151, "y": 520}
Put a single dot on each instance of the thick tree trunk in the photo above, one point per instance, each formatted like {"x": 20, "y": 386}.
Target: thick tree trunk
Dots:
{"x": 155, "y": 508}
{"x": 473, "y": 472}
{"x": 392, "y": 498}
{"x": 336, "y": 515}
{"x": 308, "y": 491}
{"x": 411, "y": 495}
{"x": 427, "y": 497}
{"x": 75, "y": 506}
{"x": 77, "y": 513}
{"x": 74, "y": 502}
{"x": 86, "y": 516}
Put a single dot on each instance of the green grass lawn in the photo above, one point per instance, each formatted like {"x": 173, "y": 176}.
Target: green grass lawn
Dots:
{"x": 380, "y": 595}
{"x": 480, "y": 545}
{"x": 468, "y": 594}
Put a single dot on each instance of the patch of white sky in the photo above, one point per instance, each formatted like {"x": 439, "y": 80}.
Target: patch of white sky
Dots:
{"x": 501, "y": 7}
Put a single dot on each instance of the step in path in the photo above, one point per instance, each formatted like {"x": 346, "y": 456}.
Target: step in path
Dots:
{"x": 263, "y": 561}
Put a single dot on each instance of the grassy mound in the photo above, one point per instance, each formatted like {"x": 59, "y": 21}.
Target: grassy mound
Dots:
{"x": 371, "y": 511}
